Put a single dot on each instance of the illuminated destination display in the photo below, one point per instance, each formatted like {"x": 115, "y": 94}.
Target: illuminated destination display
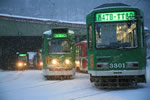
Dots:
{"x": 60, "y": 35}
{"x": 115, "y": 16}
{"x": 22, "y": 54}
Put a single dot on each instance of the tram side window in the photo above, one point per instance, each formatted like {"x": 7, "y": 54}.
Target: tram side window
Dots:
{"x": 90, "y": 36}
{"x": 142, "y": 36}
{"x": 78, "y": 51}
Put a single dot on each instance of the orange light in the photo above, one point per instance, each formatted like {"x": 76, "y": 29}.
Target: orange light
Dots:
{"x": 20, "y": 64}
{"x": 25, "y": 64}
{"x": 77, "y": 63}
{"x": 92, "y": 61}
{"x": 67, "y": 61}
{"x": 54, "y": 61}
{"x": 47, "y": 61}
{"x": 41, "y": 63}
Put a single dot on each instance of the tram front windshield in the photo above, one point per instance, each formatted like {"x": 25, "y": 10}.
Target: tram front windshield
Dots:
{"x": 22, "y": 58}
{"x": 59, "y": 46}
{"x": 116, "y": 35}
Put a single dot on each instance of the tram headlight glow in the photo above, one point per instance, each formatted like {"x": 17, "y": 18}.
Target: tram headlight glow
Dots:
{"x": 54, "y": 61}
{"x": 67, "y": 61}
{"x": 41, "y": 63}
{"x": 25, "y": 64}
{"x": 77, "y": 63}
{"x": 20, "y": 64}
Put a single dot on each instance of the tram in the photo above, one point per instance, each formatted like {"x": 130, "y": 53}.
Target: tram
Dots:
{"x": 81, "y": 61}
{"x": 116, "y": 47}
{"x": 58, "y": 54}
{"x": 22, "y": 61}
{"x": 37, "y": 60}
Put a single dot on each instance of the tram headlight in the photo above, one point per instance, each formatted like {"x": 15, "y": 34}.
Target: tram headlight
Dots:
{"x": 20, "y": 64}
{"x": 67, "y": 61}
{"x": 77, "y": 63}
{"x": 41, "y": 63}
{"x": 54, "y": 61}
{"x": 25, "y": 64}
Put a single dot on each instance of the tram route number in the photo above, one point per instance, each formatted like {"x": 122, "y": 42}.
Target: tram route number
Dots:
{"x": 117, "y": 65}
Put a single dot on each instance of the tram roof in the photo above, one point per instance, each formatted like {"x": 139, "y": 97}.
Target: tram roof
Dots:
{"x": 112, "y": 5}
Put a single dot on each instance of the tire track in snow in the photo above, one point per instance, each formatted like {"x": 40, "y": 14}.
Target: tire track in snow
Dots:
{"x": 93, "y": 94}
{"x": 29, "y": 87}
{"x": 15, "y": 78}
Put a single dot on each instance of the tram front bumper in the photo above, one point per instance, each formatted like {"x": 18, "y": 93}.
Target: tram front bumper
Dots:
{"x": 136, "y": 75}
{"x": 117, "y": 72}
{"x": 61, "y": 71}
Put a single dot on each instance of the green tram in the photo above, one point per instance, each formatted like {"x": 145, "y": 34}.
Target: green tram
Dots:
{"x": 116, "y": 48}
{"x": 58, "y": 54}
{"x": 22, "y": 61}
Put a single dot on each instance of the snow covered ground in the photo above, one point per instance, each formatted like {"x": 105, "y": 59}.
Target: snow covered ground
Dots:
{"x": 31, "y": 85}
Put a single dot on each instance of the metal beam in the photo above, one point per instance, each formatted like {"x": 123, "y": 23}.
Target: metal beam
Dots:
{"x": 22, "y": 26}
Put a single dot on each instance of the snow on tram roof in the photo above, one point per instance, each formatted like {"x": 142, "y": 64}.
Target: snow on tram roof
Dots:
{"x": 49, "y": 32}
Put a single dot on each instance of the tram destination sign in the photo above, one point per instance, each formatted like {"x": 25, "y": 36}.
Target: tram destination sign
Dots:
{"x": 22, "y": 55}
{"x": 60, "y": 35}
{"x": 115, "y": 16}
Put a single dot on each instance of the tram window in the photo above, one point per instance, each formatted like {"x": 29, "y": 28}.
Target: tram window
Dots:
{"x": 77, "y": 51}
{"x": 59, "y": 46}
{"x": 65, "y": 45}
{"x": 90, "y": 36}
{"x": 116, "y": 35}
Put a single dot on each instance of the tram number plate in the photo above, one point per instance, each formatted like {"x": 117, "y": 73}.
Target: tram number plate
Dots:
{"x": 117, "y": 65}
